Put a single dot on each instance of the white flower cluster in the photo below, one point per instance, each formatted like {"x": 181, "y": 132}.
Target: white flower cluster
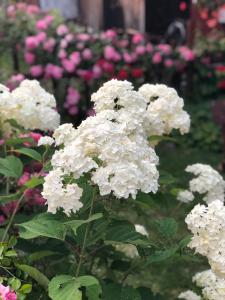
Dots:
{"x": 30, "y": 105}
{"x": 189, "y": 295}
{"x": 165, "y": 110}
{"x": 207, "y": 223}
{"x": 213, "y": 287}
{"x": 112, "y": 146}
{"x": 208, "y": 182}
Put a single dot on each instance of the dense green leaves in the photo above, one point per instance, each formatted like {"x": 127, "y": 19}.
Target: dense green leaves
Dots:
{"x": 11, "y": 166}
{"x": 167, "y": 227}
{"x": 69, "y": 288}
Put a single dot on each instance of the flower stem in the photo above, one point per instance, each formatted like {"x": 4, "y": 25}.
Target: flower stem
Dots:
{"x": 85, "y": 234}
{"x": 12, "y": 218}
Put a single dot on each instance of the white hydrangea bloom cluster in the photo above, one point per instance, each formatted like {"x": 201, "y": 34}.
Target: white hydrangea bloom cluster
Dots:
{"x": 189, "y": 295}
{"x": 207, "y": 223}
{"x": 207, "y": 182}
{"x": 213, "y": 287}
{"x": 165, "y": 110}
{"x": 46, "y": 140}
{"x": 30, "y": 105}
{"x": 112, "y": 146}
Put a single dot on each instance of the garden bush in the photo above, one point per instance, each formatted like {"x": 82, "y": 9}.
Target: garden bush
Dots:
{"x": 85, "y": 212}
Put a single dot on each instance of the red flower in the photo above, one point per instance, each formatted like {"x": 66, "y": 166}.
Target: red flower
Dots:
{"x": 183, "y": 6}
{"x": 122, "y": 74}
{"x": 221, "y": 84}
{"x": 220, "y": 68}
{"x": 137, "y": 73}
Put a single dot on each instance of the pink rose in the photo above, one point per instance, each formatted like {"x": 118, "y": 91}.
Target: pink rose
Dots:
{"x": 36, "y": 71}
{"x": 53, "y": 71}
{"x": 73, "y": 96}
{"x": 63, "y": 44}
{"x": 23, "y": 179}
{"x": 33, "y": 9}
{"x": 42, "y": 24}
{"x": 29, "y": 58}
{"x": 62, "y": 29}
{"x": 97, "y": 71}
{"x": 86, "y": 75}
{"x": 73, "y": 110}
{"x": 6, "y": 293}
{"x": 49, "y": 19}
{"x": 49, "y": 45}
{"x": 166, "y": 49}
{"x": 149, "y": 48}
{"x": 111, "y": 54}
{"x": 69, "y": 37}
{"x": 87, "y": 54}
{"x": 31, "y": 42}
{"x": 62, "y": 54}
{"x": 75, "y": 57}
{"x": 83, "y": 37}
{"x": 186, "y": 53}
{"x": 68, "y": 65}
{"x": 129, "y": 58}
{"x": 140, "y": 50}
{"x": 11, "y": 11}
{"x": 110, "y": 34}
{"x": 41, "y": 36}
{"x": 168, "y": 63}
{"x": 137, "y": 38}
{"x": 156, "y": 59}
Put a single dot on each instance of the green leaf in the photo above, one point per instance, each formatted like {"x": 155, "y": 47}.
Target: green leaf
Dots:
{"x": 112, "y": 291}
{"x": 166, "y": 178}
{"x": 34, "y": 181}
{"x": 159, "y": 138}
{"x": 64, "y": 287}
{"x": 29, "y": 152}
{"x": 18, "y": 141}
{"x": 167, "y": 227}
{"x": 41, "y": 254}
{"x": 15, "y": 283}
{"x": 26, "y": 288}
{"x": 185, "y": 241}
{"x": 74, "y": 224}
{"x": 161, "y": 255}
{"x": 93, "y": 289}
{"x": 43, "y": 225}
{"x": 34, "y": 273}
{"x": 124, "y": 232}
{"x": 11, "y": 166}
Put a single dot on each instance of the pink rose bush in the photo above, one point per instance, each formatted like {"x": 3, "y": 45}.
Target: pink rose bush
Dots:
{"x": 6, "y": 293}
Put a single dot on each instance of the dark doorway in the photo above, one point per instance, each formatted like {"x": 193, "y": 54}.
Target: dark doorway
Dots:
{"x": 113, "y": 14}
{"x": 161, "y": 13}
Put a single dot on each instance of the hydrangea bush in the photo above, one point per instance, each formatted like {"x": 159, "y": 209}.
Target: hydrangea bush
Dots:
{"x": 65, "y": 194}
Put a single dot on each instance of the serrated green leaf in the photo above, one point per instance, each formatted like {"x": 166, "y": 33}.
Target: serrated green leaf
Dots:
{"x": 162, "y": 255}
{"x": 30, "y": 153}
{"x": 34, "y": 273}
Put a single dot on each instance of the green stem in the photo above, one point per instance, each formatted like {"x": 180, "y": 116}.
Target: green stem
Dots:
{"x": 12, "y": 218}
{"x": 85, "y": 235}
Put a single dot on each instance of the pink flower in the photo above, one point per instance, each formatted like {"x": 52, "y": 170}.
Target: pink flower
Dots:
{"x": 91, "y": 112}
{"x": 87, "y": 54}
{"x": 75, "y": 57}
{"x": 8, "y": 209}
{"x": 62, "y": 54}
{"x": 31, "y": 42}
{"x": 83, "y": 37}
{"x": 129, "y": 58}
{"x": 11, "y": 11}
{"x": 97, "y": 71}
{"x": 49, "y": 45}
{"x": 2, "y": 142}
{"x": 33, "y": 9}
{"x": 21, "y": 6}
{"x": 53, "y": 71}
{"x": 49, "y": 19}
{"x": 36, "y": 71}
{"x": 123, "y": 43}
{"x": 73, "y": 96}
{"x": 86, "y": 75}
{"x": 41, "y": 36}
{"x": 80, "y": 46}
{"x": 35, "y": 136}
{"x": 156, "y": 59}
{"x": 6, "y": 293}
{"x": 149, "y": 48}
{"x": 137, "y": 38}
{"x": 110, "y": 34}
{"x": 140, "y": 50}
{"x": 42, "y": 24}
{"x": 168, "y": 63}
{"x": 29, "y": 58}
{"x": 166, "y": 49}
{"x": 63, "y": 44}
{"x": 68, "y": 65}
{"x": 111, "y": 54}
{"x": 69, "y": 37}
{"x": 23, "y": 179}
{"x": 62, "y": 29}
{"x": 186, "y": 53}
{"x": 73, "y": 110}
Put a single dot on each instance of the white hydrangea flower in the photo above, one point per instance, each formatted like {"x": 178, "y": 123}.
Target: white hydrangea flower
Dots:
{"x": 213, "y": 287}
{"x": 128, "y": 250}
{"x": 185, "y": 196}
{"x": 63, "y": 134}
{"x": 141, "y": 229}
{"x": 34, "y": 108}
{"x": 189, "y": 295}
{"x": 208, "y": 227}
{"x": 208, "y": 182}
{"x": 165, "y": 110}
{"x": 30, "y": 105}
{"x": 59, "y": 196}
{"x": 46, "y": 140}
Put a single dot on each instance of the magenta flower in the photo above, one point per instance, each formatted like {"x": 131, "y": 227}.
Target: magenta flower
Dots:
{"x": 6, "y": 293}
{"x": 62, "y": 29}
{"x": 29, "y": 58}
{"x": 36, "y": 71}
{"x": 87, "y": 54}
{"x": 31, "y": 42}
{"x": 157, "y": 58}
